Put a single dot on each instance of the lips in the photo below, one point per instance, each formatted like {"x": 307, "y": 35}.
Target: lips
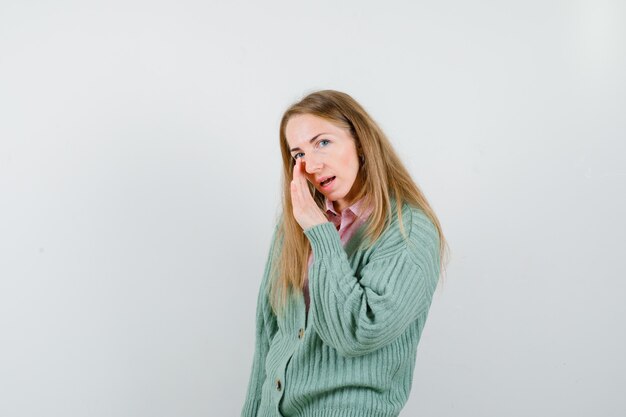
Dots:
{"x": 321, "y": 180}
{"x": 327, "y": 184}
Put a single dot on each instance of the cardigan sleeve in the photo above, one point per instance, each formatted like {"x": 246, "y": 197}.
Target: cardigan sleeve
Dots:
{"x": 266, "y": 327}
{"x": 357, "y": 317}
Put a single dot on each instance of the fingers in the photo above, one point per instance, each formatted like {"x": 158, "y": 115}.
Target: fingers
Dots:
{"x": 304, "y": 189}
{"x": 300, "y": 178}
{"x": 297, "y": 168}
{"x": 299, "y": 189}
{"x": 295, "y": 184}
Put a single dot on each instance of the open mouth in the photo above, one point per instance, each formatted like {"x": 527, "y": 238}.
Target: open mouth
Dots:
{"x": 326, "y": 183}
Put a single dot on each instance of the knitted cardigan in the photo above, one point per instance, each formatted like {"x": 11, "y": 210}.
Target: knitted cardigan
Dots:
{"x": 353, "y": 353}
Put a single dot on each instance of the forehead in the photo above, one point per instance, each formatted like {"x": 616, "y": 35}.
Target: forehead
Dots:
{"x": 302, "y": 127}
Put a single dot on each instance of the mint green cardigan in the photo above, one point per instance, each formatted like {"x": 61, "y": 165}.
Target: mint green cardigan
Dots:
{"x": 354, "y": 353}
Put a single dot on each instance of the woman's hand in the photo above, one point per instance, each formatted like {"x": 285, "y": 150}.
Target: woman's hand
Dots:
{"x": 305, "y": 210}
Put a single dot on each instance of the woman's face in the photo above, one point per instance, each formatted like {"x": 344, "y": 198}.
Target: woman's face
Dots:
{"x": 328, "y": 151}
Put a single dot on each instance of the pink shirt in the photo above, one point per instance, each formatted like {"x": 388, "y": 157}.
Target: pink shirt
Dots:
{"x": 346, "y": 224}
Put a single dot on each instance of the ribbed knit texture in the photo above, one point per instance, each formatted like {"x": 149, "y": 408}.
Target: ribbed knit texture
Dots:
{"x": 354, "y": 353}
{"x": 347, "y": 223}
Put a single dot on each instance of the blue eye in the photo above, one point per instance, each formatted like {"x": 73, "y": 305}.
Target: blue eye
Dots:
{"x": 323, "y": 140}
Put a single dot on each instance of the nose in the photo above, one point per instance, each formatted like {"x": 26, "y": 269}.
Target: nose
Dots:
{"x": 312, "y": 164}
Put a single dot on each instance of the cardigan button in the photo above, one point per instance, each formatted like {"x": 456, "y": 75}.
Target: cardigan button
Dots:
{"x": 278, "y": 385}
{"x": 300, "y": 333}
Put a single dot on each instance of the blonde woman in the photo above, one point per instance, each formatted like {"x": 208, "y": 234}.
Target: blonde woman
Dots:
{"x": 355, "y": 258}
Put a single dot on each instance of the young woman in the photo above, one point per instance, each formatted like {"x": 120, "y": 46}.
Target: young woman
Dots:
{"x": 354, "y": 261}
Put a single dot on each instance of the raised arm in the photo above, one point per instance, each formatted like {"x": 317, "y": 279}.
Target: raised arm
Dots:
{"x": 357, "y": 317}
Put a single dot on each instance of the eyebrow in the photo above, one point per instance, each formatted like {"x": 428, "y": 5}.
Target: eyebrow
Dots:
{"x": 310, "y": 141}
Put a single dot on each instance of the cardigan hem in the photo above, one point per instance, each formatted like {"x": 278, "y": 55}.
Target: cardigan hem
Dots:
{"x": 341, "y": 412}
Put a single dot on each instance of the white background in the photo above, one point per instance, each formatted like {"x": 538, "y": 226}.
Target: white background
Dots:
{"x": 140, "y": 177}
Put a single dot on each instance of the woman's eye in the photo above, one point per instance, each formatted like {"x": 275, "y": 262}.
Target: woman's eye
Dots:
{"x": 323, "y": 140}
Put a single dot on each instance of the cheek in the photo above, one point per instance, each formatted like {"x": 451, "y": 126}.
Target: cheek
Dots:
{"x": 345, "y": 159}
{"x": 347, "y": 163}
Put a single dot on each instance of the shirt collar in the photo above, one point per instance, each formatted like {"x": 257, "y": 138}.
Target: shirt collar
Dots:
{"x": 356, "y": 208}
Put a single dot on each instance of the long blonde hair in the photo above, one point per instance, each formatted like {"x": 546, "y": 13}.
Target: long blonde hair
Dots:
{"x": 383, "y": 177}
